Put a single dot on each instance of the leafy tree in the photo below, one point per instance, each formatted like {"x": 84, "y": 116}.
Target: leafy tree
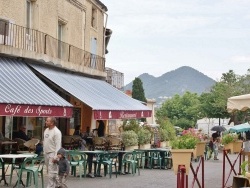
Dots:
{"x": 138, "y": 91}
{"x": 214, "y": 103}
{"x": 181, "y": 107}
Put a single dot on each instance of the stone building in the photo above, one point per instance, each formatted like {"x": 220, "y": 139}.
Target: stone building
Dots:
{"x": 52, "y": 63}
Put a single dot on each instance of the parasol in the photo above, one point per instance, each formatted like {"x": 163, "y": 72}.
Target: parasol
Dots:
{"x": 240, "y": 128}
{"x": 240, "y": 102}
{"x": 218, "y": 128}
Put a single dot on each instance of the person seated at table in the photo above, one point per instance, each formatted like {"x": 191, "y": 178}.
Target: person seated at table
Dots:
{"x": 77, "y": 132}
{"x": 21, "y": 133}
{"x": 87, "y": 136}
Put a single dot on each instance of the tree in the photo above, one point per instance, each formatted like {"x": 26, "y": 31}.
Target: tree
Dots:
{"x": 138, "y": 91}
{"x": 184, "y": 108}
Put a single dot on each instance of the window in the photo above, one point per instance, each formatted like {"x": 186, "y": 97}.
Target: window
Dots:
{"x": 93, "y": 52}
{"x": 60, "y": 37}
{"x": 94, "y": 18}
{"x": 28, "y": 16}
{"x": 4, "y": 27}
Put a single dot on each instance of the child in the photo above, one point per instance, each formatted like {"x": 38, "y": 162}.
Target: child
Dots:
{"x": 216, "y": 148}
{"x": 64, "y": 167}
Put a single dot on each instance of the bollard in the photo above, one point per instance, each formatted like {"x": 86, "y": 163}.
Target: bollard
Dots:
{"x": 181, "y": 177}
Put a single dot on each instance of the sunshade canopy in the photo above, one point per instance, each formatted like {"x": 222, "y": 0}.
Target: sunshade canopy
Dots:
{"x": 240, "y": 128}
{"x": 106, "y": 101}
{"x": 22, "y": 93}
{"x": 241, "y": 102}
{"x": 218, "y": 128}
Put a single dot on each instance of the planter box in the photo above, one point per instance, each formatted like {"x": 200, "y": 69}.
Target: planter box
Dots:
{"x": 164, "y": 144}
{"x": 145, "y": 146}
{"x": 234, "y": 147}
{"x": 130, "y": 148}
{"x": 199, "y": 149}
{"x": 181, "y": 157}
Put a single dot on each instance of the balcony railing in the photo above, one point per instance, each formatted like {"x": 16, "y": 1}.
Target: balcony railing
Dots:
{"x": 36, "y": 41}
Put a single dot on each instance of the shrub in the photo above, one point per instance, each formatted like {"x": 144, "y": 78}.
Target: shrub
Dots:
{"x": 131, "y": 125}
{"x": 144, "y": 136}
{"x": 163, "y": 135}
{"x": 228, "y": 138}
{"x": 187, "y": 141}
{"x": 129, "y": 138}
{"x": 166, "y": 131}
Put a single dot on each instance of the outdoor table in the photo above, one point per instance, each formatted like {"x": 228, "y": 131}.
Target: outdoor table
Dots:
{"x": 13, "y": 157}
{"x": 120, "y": 156}
{"x": 8, "y": 147}
{"x": 91, "y": 155}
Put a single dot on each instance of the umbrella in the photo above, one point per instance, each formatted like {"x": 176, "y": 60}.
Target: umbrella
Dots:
{"x": 240, "y": 102}
{"x": 218, "y": 128}
{"x": 240, "y": 128}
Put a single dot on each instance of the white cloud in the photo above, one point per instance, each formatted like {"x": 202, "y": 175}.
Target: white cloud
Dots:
{"x": 241, "y": 59}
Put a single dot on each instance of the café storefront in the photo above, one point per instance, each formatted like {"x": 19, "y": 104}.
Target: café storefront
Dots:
{"x": 93, "y": 99}
{"x": 25, "y": 99}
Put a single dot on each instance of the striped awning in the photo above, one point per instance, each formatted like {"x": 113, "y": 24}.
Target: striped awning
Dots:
{"x": 22, "y": 93}
{"x": 106, "y": 101}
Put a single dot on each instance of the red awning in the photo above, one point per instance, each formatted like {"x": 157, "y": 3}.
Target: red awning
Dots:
{"x": 22, "y": 93}
{"x": 121, "y": 114}
{"x": 34, "y": 110}
{"x": 106, "y": 101}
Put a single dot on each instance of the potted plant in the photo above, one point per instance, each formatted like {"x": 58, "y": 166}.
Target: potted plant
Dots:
{"x": 231, "y": 142}
{"x": 183, "y": 148}
{"x": 166, "y": 132}
{"x": 163, "y": 133}
{"x": 144, "y": 138}
{"x": 129, "y": 140}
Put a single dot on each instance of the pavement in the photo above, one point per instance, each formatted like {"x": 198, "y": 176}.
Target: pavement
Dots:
{"x": 160, "y": 178}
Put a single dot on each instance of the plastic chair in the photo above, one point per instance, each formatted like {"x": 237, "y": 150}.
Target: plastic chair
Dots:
{"x": 154, "y": 156}
{"x": 37, "y": 167}
{"x": 108, "y": 160}
{"x": 140, "y": 158}
{"x": 167, "y": 160}
{"x": 19, "y": 167}
{"x": 77, "y": 159}
{"x": 130, "y": 160}
{"x": 114, "y": 143}
{"x": 100, "y": 143}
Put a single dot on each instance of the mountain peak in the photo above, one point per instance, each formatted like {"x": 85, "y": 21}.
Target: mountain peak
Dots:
{"x": 177, "y": 81}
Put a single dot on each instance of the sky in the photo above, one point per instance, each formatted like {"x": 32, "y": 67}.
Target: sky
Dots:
{"x": 158, "y": 36}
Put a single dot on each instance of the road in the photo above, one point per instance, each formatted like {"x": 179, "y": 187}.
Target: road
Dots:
{"x": 154, "y": 177}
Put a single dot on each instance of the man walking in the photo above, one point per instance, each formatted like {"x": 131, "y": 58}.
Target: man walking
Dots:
{"x": 51, "y": 145}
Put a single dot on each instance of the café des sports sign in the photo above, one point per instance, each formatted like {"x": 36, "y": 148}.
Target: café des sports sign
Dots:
{"x": 34, "y": 110}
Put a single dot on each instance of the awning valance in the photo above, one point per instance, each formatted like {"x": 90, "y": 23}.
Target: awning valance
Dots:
{"x": 22, "y": 93}
{"x": 106, "y": 101}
